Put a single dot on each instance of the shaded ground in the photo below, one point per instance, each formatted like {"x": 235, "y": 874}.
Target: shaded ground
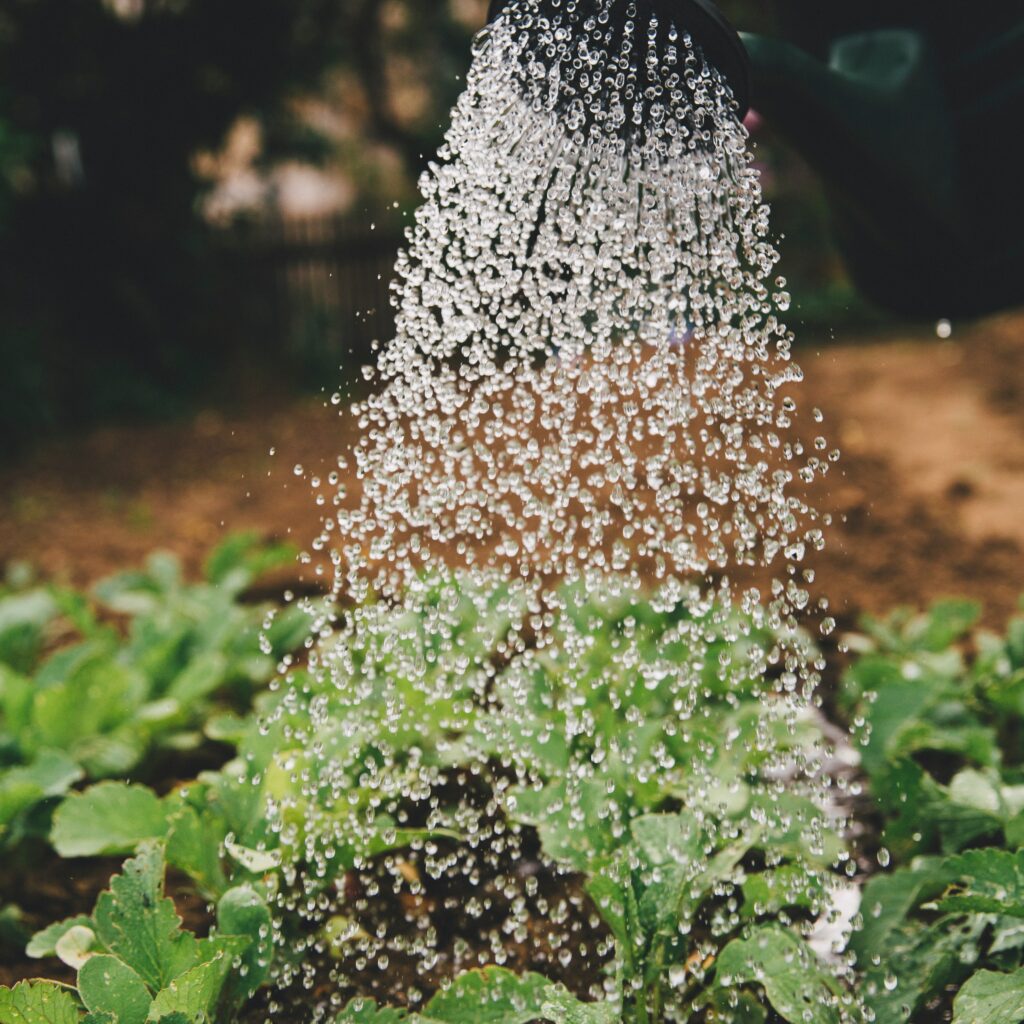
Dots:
{"x": 928, "y": 497}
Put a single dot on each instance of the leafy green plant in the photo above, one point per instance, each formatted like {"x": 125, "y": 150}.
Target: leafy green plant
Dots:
{"x": 940, "y": 722}
{"x": 99, "y": 706}
{"x": 940, "y": 731}
{"x": 136, "y": 963}
{"x": 683, "y": 892}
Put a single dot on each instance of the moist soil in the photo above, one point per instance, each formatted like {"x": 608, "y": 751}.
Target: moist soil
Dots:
{"x": 927, "y": 501}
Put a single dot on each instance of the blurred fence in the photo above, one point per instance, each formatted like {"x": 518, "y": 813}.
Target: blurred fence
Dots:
{"x": 322, "y": 285}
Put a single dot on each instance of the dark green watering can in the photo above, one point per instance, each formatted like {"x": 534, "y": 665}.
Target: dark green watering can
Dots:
{"x": 911, "y": 111}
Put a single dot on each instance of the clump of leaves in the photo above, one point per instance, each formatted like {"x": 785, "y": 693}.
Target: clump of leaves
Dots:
{"x": 707, "y": 913}
{"x": 136, "y": 963}
{"x": 80, "y": 700}
{"x": 940, "y": 714}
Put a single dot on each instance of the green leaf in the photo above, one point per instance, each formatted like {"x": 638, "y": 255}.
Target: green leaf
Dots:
{"x": 794, "y": 980}
{"x": 563, "y": 1006}
{"x": 366, "y": 1011}
{"x": 44, "y": 943}
{"x": 199, "y": 678}
{"x": 993, "y": 883}
{"x": 490, "y": 996}
{"x": 917, "y": 963}
{"x": 991, "y": 998}
{"x": 889, "y": 899}
{"x": 101, "y": 695}
{"x": 669, "y": 838}
{"x": 108, "y": 819}
{"x": 138, "y": 924}
{"x": 947, "y": 621}
{"x": 194, "y": 846}
{"x": 733, "y": 1007}
{"x": 194, "y": 993}
{"x": 37, "y": 1002}
{"x": 12, "y": 928}
{"x": 242, "y": 911}
{"x": 259, "y": 862}
{"x": 23, "y": 617}
{"x": 51, "y": 773}
{"x": 236, "y": 562}
{"x": 497, "y": 996}
{"x": 107, "y": 985}
{"x": 615, "y": 898}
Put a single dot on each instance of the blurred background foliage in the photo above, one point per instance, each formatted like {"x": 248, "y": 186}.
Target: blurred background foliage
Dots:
{"x": 137, "y": 136}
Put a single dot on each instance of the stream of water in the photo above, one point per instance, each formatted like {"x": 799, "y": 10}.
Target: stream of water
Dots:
{"x": 590, "y": 395}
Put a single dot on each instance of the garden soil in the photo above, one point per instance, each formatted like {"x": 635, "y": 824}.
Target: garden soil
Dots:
{"x": 928, "y": 498}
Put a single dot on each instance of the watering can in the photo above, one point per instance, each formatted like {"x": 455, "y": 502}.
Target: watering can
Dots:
{"x": 907, "y": 110}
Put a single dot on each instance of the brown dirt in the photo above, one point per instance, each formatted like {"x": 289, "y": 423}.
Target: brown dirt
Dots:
{"x": 928, "y": 497}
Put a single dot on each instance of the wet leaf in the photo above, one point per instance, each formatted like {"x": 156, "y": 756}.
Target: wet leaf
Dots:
{"x": 110, "y": 818}
{"x": 990, "y": 998}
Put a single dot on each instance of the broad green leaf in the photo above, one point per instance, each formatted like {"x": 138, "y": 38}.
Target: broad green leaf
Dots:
{"x": 16, "y": 692}
{"x": 114, "y": 754}
{"x": 107, "y": 985}
{"x": 37, "y": 1002}
{"x": 563, "y": 1006}
{"x": 51, "y": 773}
{"x": 795, "y": 982}
{"x": 669, "y": 838}
{"x": 889, "y": 898}
{"x": 12, "y": 927}
{"x": 916, "y": 964}
{"x": 44, "y": 942}
{"x": 108, "y": 819}
{"x": 241, "y": 559}
{"x": 921, "y": 814}
{"x": 991, "y": 998}
{"x": 194, "y": 993}
{"x": 138, "y": 924}
{"x": 490, "y": 996}
{"x": 242, "y": 911}
{"x": 898, "y": 706}
{"x": 791, "y": 885}
{"x": 736, "y": 1007}
{"x": 366, "y": 1011}
{"x": 199, "y": 678}
{"x": 992, "y": 883}
{"x": 102, "y": 695}
{"x": 23, "y": 618}
{"x": 946, "y": 622}
{"x": 497, "y": 996}
{"x": 194, "y": 846}
{"x": 977, "y": 790}
{"x": 612, "y": 893}
{"x": 553, "y": 812}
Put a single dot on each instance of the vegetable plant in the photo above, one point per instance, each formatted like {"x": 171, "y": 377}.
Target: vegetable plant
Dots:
{"x": 136, "y": 963}
{"x": 940, "y": 716}
{"x": 80, "y": 700}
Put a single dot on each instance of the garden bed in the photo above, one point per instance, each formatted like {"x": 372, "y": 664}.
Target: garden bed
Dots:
{"x": 927, "y": 504}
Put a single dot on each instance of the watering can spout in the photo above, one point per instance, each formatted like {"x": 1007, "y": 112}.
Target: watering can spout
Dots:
{"x": 868, "y": 122}
{"x": 913, "y": 169}
{"x": 906, "y": 115}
